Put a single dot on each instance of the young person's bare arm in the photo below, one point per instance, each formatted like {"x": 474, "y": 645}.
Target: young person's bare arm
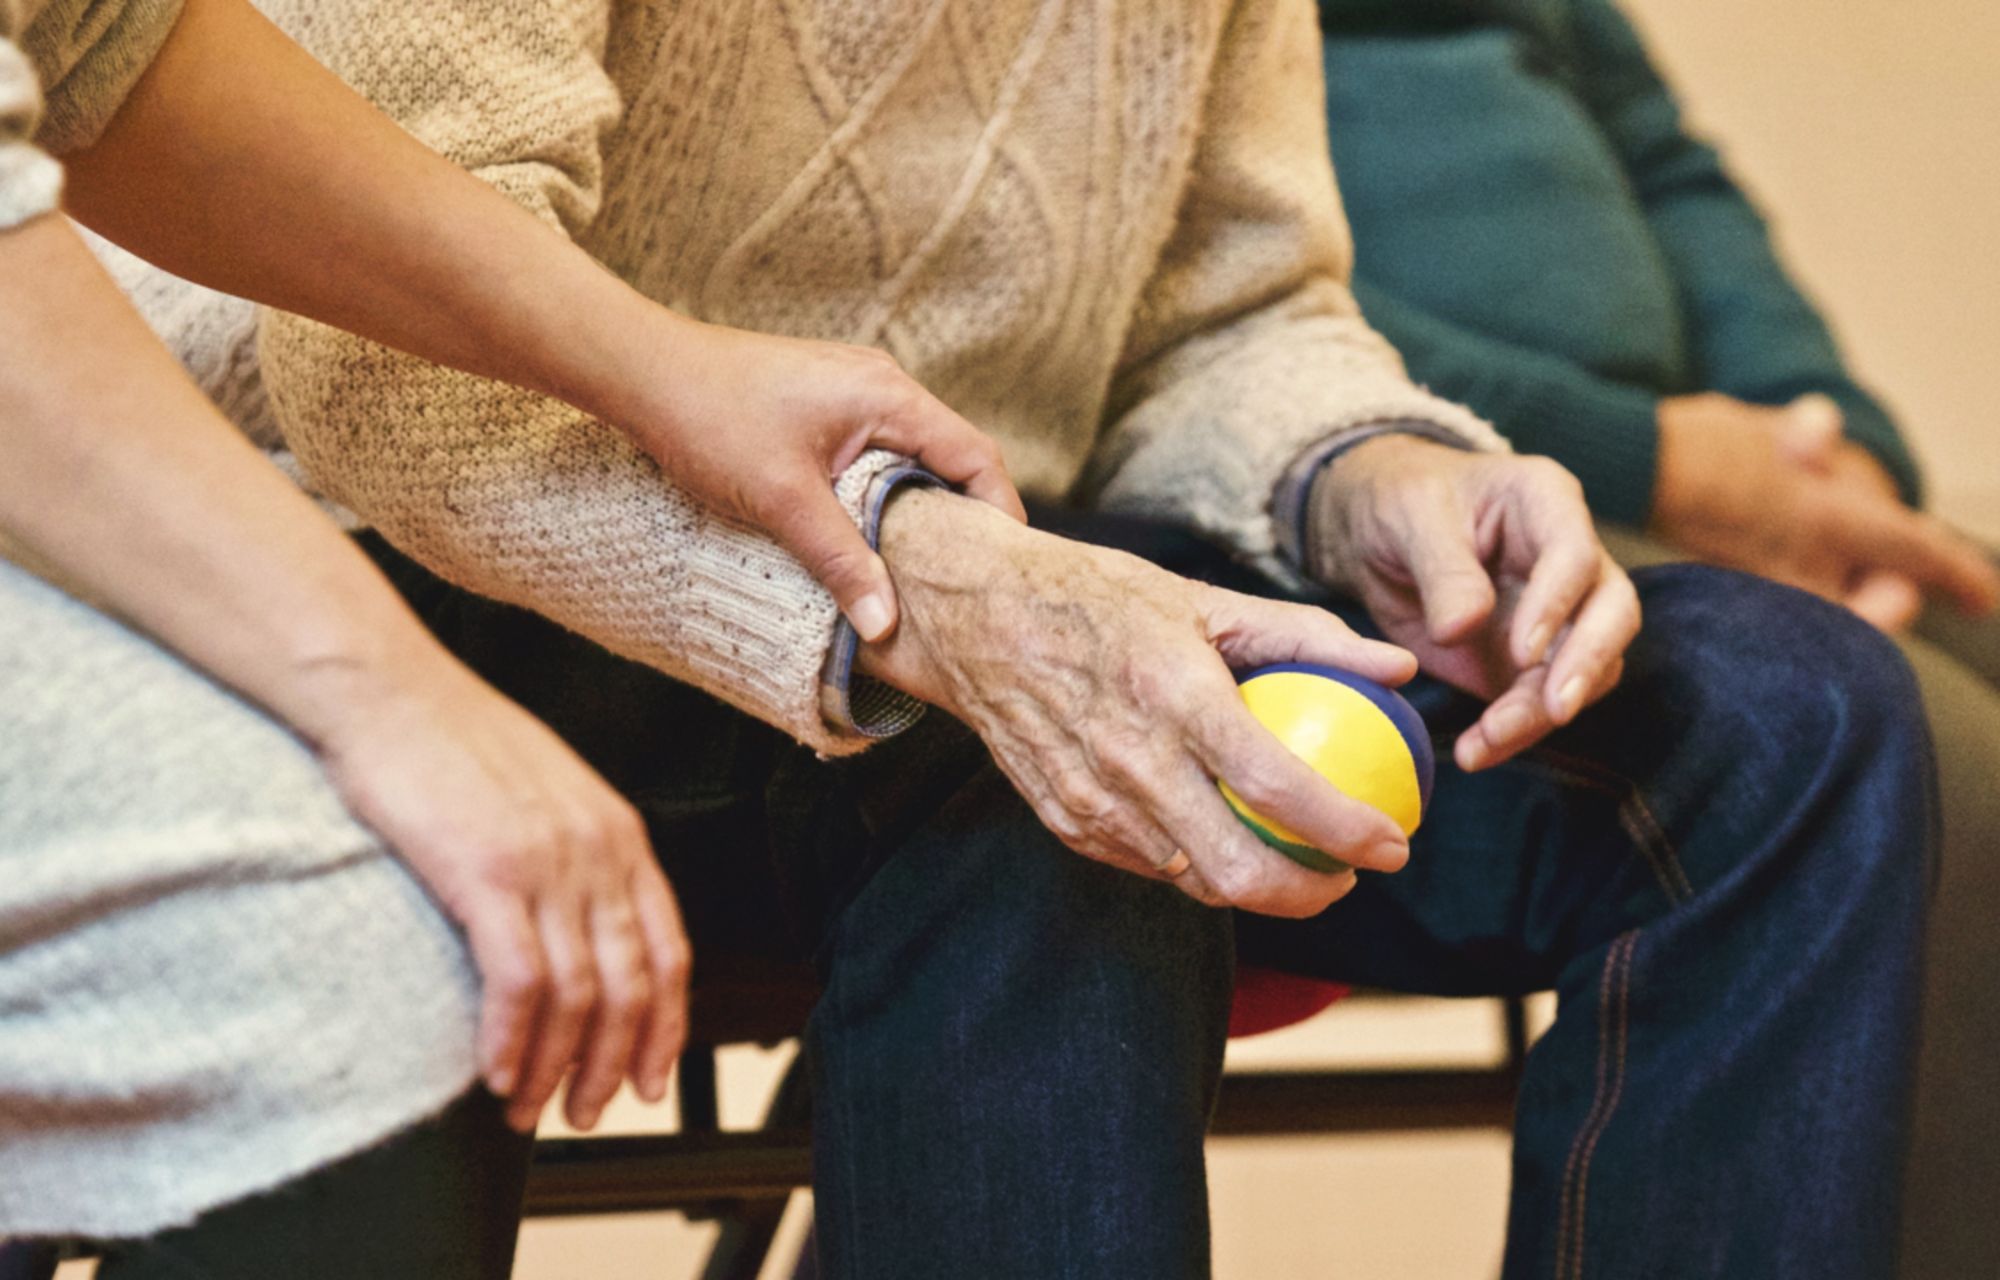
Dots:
{"x": 242, "y": 164}
{"x": 117, "y": 475}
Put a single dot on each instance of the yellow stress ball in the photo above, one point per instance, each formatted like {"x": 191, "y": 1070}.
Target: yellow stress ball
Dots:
{"x": 1360, "y": 736}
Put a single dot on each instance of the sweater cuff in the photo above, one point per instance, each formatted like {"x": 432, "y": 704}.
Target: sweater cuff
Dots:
{"x": 91, "y": 61}
{"x": 1608, "y": 436}
{"x": 1292, "y": 500}
{"x": 851, "y": 703}
{"x": 30, "y": 183}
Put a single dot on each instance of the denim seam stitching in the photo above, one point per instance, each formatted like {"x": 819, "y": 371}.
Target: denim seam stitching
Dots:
{"x": 1641, "y": 825}
{"x": 1576, "y": 1168}
{"x": 1624, "y": 1024}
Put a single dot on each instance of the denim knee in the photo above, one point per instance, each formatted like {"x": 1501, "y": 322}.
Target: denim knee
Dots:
{"x": 1783, "y": 704}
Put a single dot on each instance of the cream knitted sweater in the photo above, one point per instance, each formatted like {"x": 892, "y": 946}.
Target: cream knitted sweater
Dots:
{"x": 1106, "y": 233}
{"x": 86, "y": 55}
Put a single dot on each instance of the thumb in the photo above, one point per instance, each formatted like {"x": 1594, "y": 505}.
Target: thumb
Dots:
{"x": 1886, "y": 600}
{"x": 1810, "y": 431}
{"x": 818, "y": 530}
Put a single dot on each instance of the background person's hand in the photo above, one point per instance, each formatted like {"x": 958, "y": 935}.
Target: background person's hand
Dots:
{"x": 756, "y": 426}
{"x": 1488, "y": 568}
{"x": 571, "y": 923}
{"x": 1103, "y": 687}
{"x": 1779, "y": 492}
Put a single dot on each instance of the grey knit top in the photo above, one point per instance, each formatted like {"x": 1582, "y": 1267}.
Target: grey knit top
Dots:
{"x": 212, "y": 978}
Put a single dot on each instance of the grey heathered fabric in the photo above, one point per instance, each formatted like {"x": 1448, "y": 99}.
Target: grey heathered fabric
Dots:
{"x": 212, "y": 979}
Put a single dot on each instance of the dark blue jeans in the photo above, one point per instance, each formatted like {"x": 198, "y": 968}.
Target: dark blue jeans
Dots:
{"x": 1722, "y": 870}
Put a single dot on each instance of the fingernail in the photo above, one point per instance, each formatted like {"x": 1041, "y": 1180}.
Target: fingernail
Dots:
{"x": 1570, "y": 700}
{"x": 653, "y": 1088}
{"x": 501, "y": 1081}
{"x": 871, "y": 617}
{"x": 1538, "y": 642}
{"x": 1389, "y": 855}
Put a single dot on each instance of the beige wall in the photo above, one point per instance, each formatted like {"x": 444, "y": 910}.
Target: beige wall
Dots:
{"x": 1871, "y": 133}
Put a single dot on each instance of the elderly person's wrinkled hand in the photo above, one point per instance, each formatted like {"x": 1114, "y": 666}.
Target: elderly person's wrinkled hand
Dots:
{"x": 1488, "y": 568}
{"x": 1103, "y": 687}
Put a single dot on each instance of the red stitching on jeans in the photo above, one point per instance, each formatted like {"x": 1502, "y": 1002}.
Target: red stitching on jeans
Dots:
{"x": 1610, "y": 1084}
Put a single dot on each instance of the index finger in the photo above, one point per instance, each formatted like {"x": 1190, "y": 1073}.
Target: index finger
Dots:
{"x": 951, "y": 448}
{"x": 1603, "y": 630}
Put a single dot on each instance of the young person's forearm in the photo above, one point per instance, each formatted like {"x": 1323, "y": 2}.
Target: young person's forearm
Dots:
{"x": 118, "y": 475}
{"x": 242, "y": 164}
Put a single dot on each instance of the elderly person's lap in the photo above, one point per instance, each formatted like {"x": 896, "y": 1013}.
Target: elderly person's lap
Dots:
{"x": 1722, "y": 869}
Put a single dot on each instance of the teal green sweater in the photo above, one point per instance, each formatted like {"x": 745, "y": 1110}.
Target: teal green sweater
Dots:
{"x": 1542, "y": 239}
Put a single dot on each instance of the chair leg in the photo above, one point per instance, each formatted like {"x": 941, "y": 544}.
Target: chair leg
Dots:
{"x": 751, "y": 1227}
{"x": 807, "y": 1267}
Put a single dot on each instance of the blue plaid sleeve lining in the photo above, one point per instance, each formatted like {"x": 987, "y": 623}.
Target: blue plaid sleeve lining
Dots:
{"x": 1292, "y": 499}
{"x": 851, "y": 702}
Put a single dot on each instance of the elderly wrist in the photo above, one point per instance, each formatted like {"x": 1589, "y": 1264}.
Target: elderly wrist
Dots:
{"x": 1348, "y": 477}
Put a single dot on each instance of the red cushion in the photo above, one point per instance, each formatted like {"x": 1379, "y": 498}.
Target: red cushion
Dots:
{"x": 1267, "y": 1000}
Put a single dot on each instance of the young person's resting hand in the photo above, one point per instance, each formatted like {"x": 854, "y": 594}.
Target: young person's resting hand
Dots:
{"x": 240, "y": 163}
{"x": 132, "y": 490}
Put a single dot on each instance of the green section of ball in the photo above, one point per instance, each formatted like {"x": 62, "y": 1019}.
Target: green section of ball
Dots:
{"x": 1303, "y": 854}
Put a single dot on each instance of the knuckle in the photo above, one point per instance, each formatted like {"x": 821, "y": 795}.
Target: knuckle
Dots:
{"x": 576, "y": 991}
{"x": 1260, "y": 786}
{"x": 513, "y": 865}
{"x": 1236, "y": 881}
{"x": 1553, "y": 475}
{"x": 1125, "y": 758}
{"x": 628, "y": 994}
{"x": 520, "y": 979}
{"x": 1078, "y": 793}
{"x": 781, "y": 494}
{"x": 628, "y": 827}
{"x": 671, "y": 967}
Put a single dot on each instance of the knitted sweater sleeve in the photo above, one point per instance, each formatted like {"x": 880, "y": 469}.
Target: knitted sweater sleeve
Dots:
{"x": 1755, "y": 334}
{"x": 85, "y": 55}
{"x": 1603, "y": 430}
{"x": 1248, "y": 350}
{"x": 511, "y": 494}
{"x": 30, "y": 181}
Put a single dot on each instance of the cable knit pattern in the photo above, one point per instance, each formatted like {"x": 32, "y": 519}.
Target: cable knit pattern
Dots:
{"x": 1106, "y": 233}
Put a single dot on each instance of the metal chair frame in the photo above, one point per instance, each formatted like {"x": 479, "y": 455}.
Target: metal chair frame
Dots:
{"x": 743, "y": 1179}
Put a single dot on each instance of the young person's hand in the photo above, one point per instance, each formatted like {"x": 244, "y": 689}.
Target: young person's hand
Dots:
{"x": 280, "y": 184}
{"x": 1778, "y": 492}
{"x": 757, "y": 427}
{"x": 1488, "y": 568}
{"x": 578, "y": 942}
